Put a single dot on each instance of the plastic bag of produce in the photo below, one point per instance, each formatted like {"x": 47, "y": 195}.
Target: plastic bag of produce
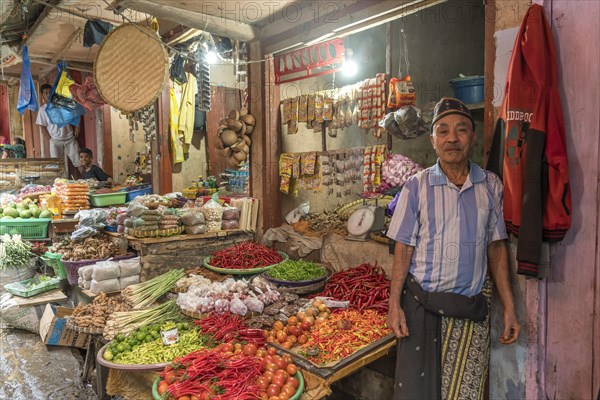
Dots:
{"x": 83, "y": 232}
{"x": 121, "y": 219}
{"x": 254, "y": 304}
{"x": 151, "y": 217}
{"x": 109, "y": 285}
{"x": 230, "y": 224}
{"x": 87, "y": 284}
{"x": 195, "y": 230}
{"x": 222, "y": 306}
{"x": 130, "y": 267}
{"x": 136, "y": 209}
{"x": 237, "y": 306}
{"x": 192, "y": 218}
{"x": 231, "y": 214}
{"x": 128, "y": 281}
{"x": 106, "y": 270}
{"x": 86, "y": 272}
{"x": 213, "y": 213}
{"x": 92, "y": 217}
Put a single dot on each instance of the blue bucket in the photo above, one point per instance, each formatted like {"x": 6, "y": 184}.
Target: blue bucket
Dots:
{"x": 469, "y": 89}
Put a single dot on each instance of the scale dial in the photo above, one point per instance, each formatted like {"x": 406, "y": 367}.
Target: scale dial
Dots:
{"x": 361, "y": 221}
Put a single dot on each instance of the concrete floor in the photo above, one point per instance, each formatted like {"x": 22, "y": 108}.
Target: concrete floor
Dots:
{"x": 31, "y": 370}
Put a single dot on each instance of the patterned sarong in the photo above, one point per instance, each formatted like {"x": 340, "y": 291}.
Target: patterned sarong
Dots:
{"x": 446, "y": 354}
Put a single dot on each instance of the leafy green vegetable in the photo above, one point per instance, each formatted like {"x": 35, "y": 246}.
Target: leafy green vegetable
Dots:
{"x": 297, "y": 271}
{"x": 14, "y": 252}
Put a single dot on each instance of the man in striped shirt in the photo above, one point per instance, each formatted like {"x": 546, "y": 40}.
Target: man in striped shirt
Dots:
{"x": 449, "y": 230}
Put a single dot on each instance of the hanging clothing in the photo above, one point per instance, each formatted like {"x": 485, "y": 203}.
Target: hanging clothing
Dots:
{"x": 187, "y": 106}
{"x": 176, "y": 143}
{"x": 95, "y": 31}
{"x": 87, "y": 94}
{"x": 529, "y": 148}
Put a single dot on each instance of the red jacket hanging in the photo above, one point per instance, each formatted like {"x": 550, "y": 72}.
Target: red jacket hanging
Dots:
{"x": 529, "y": 149}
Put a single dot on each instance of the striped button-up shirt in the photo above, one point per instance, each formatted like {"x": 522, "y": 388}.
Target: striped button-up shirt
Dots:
{"x": 450, "y": 227}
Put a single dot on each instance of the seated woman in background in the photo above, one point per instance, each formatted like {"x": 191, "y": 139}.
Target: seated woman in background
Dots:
{"x": 16, "y": 150}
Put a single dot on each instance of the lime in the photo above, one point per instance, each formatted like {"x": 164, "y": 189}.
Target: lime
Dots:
{"x": 140, "y": 336}
{"x": 121, "y": 347}
{"x": 132, "y": 342}
{"x": 108, "y": 355}
{"x": 149, "y": 339}
{"x": 180, "y": 326}
{"x": 155, "y": 334}
{"x": 134, "y": 348}
{"x": 120, "y": 337}
{"x": 127, "y": 347}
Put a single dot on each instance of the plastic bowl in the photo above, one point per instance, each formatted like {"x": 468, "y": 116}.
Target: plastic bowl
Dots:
{"x": 250, "y": 271}
{"x": 296, "y": 395}
{"x": 128, "y": 367}
{"x": 296, "y": 283}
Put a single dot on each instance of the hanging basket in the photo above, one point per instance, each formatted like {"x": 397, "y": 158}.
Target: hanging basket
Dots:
{"x": 131, "y": 67}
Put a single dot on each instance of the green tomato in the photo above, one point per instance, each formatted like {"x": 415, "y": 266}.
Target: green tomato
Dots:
{"x": 108, "y": 355}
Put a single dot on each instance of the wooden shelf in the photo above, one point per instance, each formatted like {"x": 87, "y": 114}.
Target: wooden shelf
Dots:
{"x": 476, "y": 106}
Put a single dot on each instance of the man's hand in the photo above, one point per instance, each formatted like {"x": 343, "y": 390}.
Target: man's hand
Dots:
{"x": 396, "y": 320}
{"x": 511, "y": 328}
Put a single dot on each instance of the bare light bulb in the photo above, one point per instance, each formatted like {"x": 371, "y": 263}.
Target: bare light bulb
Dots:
{"x": 349, "y": 68}
{"x": 211, "y": 57}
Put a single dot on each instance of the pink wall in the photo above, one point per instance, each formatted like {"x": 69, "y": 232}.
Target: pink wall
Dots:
{"x": 572, "y": 323}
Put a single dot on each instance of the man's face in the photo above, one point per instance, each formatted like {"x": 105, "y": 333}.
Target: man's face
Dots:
{"x": 46, "y": 94}
{"x": 453, "y": 138}
{"x": 85, "y": 159}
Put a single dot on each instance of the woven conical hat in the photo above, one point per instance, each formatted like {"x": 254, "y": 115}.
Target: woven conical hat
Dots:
{"x": 131, "y": 67}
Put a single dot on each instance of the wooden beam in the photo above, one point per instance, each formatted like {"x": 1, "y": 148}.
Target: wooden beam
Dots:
{"x": 37, "y": 22}
{"x": 211, "y": 23}
{"x": 66, "y": 46}
{"x": 489, "y": 116}
{"x": 162, "y": 164}
{"x": 345, "y": 21}
{"x": 76, "y": 66}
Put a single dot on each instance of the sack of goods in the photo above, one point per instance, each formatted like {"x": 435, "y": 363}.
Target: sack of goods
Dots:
{"x": 194, "y": 222}
{"x": 110, "y": 276}
{"x": 231, "y": 218}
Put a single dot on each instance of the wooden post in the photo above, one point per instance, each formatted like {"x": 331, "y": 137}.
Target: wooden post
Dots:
{"x": 263, "y": 100}
{"x": 162, "y": 169}
{"x": 323, "y": 137}
{"x": 107, "y": 154}
{"x": 388, "y": 71}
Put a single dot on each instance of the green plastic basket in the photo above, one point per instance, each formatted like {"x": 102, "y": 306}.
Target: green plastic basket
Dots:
{"x": 107, "y": 199}
{"x": 53, "y": 261}
{"x": 32, "y": 228}
{"x": 19, "y": 288}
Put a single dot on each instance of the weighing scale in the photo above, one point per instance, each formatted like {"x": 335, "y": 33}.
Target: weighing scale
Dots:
{"x": 365, "y": 220}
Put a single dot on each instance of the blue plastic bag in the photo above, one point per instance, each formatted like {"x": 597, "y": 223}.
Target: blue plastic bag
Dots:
{"x": 59, "y": 115}
{"x": 27, "y": 95}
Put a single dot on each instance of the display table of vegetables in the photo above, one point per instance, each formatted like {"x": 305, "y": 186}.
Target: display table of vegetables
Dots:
{"x": 143, "y": 348}
{"x": 324, "y": 337}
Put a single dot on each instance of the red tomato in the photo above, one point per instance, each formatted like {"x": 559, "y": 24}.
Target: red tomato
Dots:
{"x": 268, "y": 375}
{"x": 183, "y": 398}
{"x": 283, "y": 396}
{"x": 291, "y": 369}
{"x": 281, "y": 337}
{"x": 288, "y": 389}
{"x": 271, "y": 351}
{"x": 261, "y": 353}
{"x": 281, "y": 364}
{"x": 162, "y": 387}
{"x": 271, "y": 367}
{"x": 302, "y": 339}
{"x": 279, "y": 381}
{"x": 262, "y": 382}
{"x": 305, "y": 325}
{"x": 282, "y": 373}
{"x": 192, "y": 397}
{"x": 274, "y": 398}
{"x": 273, "y": 390}
{"x": 288, "y": 358}
{"x": 227, "y": 347}
{"x": 249, "y": 349}
{"x": 170, "y": 377}
{"x": 292, "y": 381}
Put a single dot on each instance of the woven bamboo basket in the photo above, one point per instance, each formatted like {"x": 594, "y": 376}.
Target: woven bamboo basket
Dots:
{"x": 131, "y": 67}
{"x": 138, "y": 233}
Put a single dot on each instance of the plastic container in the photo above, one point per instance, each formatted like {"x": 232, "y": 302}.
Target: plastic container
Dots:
{"x": 132, "y": 194}
{"x": 32, "y": 228}
{"x": 72, "y": 268}
{"x": 53, "y": 261}
{"x": 469, "y": 89}
{"x": 107, "y": 199}
{"x": 19, "y": 289}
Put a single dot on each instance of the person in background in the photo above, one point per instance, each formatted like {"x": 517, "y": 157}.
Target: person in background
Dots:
{"x": 89, "y": 170}
{"x": 449, "y": 231}
{"x": 17, "y": 150}
{"x": 62, "y": 140}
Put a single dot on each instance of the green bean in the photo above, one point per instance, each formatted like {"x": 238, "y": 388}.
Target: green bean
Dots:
{"x": 297, "y": 271}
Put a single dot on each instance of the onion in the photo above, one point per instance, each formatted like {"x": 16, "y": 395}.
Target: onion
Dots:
{"x": 309, "y": 319}
{"x": 317, "y": 303}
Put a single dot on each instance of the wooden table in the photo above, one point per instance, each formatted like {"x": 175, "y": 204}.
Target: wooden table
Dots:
{"x": 159, "y": 255}
{"x": 52, "y": 296}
